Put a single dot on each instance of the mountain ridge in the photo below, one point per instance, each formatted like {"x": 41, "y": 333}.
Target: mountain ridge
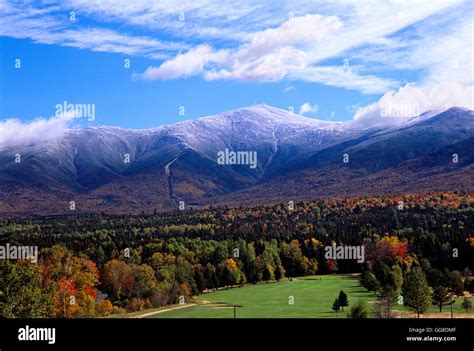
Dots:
{"x": 178, "y": 162}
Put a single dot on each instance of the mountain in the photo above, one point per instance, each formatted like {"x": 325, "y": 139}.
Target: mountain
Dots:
{"x": 116, "y": 170}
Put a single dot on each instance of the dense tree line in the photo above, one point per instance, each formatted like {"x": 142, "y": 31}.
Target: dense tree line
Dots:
{"x": 398, "y": 276}
{"x": 108, "y": 263}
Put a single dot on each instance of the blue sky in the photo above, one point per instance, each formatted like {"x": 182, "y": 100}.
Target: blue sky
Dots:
{"x": 327, "y": 60}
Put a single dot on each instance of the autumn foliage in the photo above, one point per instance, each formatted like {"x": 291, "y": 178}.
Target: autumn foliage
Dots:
{"x": 101, "y": 264}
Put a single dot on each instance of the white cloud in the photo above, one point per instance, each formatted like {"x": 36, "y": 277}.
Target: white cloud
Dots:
{"x": 345, "y": 77}
{"x": 184, "y": 65}
{"x": 448, "y": 56}
{"x": 288, "y": 88}
{"x": 222, "y": 39}
{"x": 105, "y": 40}
{"x": 441, "y": 47}
{"x": 270, "y": 67}
{"x": 15, "y": 132}
{"x": 302, "y": 31}
{"x": 368, "y": 22}
{"x": 396, "y": 107}
{"x": 45, "y": 27}
{"x": 271, "y": 55}
{"x": 308, "y": 108}
{"x": 202, "y": 18}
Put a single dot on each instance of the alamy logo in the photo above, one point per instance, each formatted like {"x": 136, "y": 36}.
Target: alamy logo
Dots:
{"x": 13, "y": 252}
{"x": 228, "y": 157}
{"x": 78, "y": 110}
{"x": 400, "y": 110}
{"x": 343, "y": 252}
{"x": 37, "y": 334}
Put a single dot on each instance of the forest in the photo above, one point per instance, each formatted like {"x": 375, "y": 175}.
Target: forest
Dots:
{"x": 98, "y": 264}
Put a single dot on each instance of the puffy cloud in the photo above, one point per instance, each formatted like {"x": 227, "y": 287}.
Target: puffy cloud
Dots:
{"x": 268, "y": 56}
{"x": 271, "y": 67}
{"x": 396, "y": 107}
{"x": 185, "y": 65}
{"x": 15, "y": 132}
{"x": 300, "y": 31}
{"x": 271, "y": 55}
{"x": 254, "y": 41}
{"x": 308, "y": 108}
{"x": 449, "y": 94}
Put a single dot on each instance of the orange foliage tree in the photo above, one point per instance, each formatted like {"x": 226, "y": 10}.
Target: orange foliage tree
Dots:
{"x": 73, "y": 279}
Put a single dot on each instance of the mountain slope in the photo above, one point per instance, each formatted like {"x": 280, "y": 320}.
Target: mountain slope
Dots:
{"x": 298, "y": 159}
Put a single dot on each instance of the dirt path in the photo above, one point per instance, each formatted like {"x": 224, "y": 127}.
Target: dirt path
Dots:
{"x": 165, "y": 310}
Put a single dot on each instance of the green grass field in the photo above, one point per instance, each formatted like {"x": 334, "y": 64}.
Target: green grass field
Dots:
{"x": 313, "y": 298}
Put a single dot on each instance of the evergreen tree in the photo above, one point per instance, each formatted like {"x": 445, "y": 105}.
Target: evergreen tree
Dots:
{"x": 268, "y": 273}
{"x": 279, "y": 273}
{"x": 455, "y": 283}
{"x": 416, "y": 292}
{"x": 99, "y": 254}
{"x": 343, "y": 300}
{"x": 199, "y": 278}
{"x": 441, "y": 297}
{"x": 336, "y": 306}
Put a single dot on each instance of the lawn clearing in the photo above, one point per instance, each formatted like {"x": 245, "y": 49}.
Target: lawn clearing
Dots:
{"x": 312, "y": 298}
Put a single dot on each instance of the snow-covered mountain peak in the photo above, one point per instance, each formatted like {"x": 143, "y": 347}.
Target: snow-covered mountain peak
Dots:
{"x": 268, "y": 117}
